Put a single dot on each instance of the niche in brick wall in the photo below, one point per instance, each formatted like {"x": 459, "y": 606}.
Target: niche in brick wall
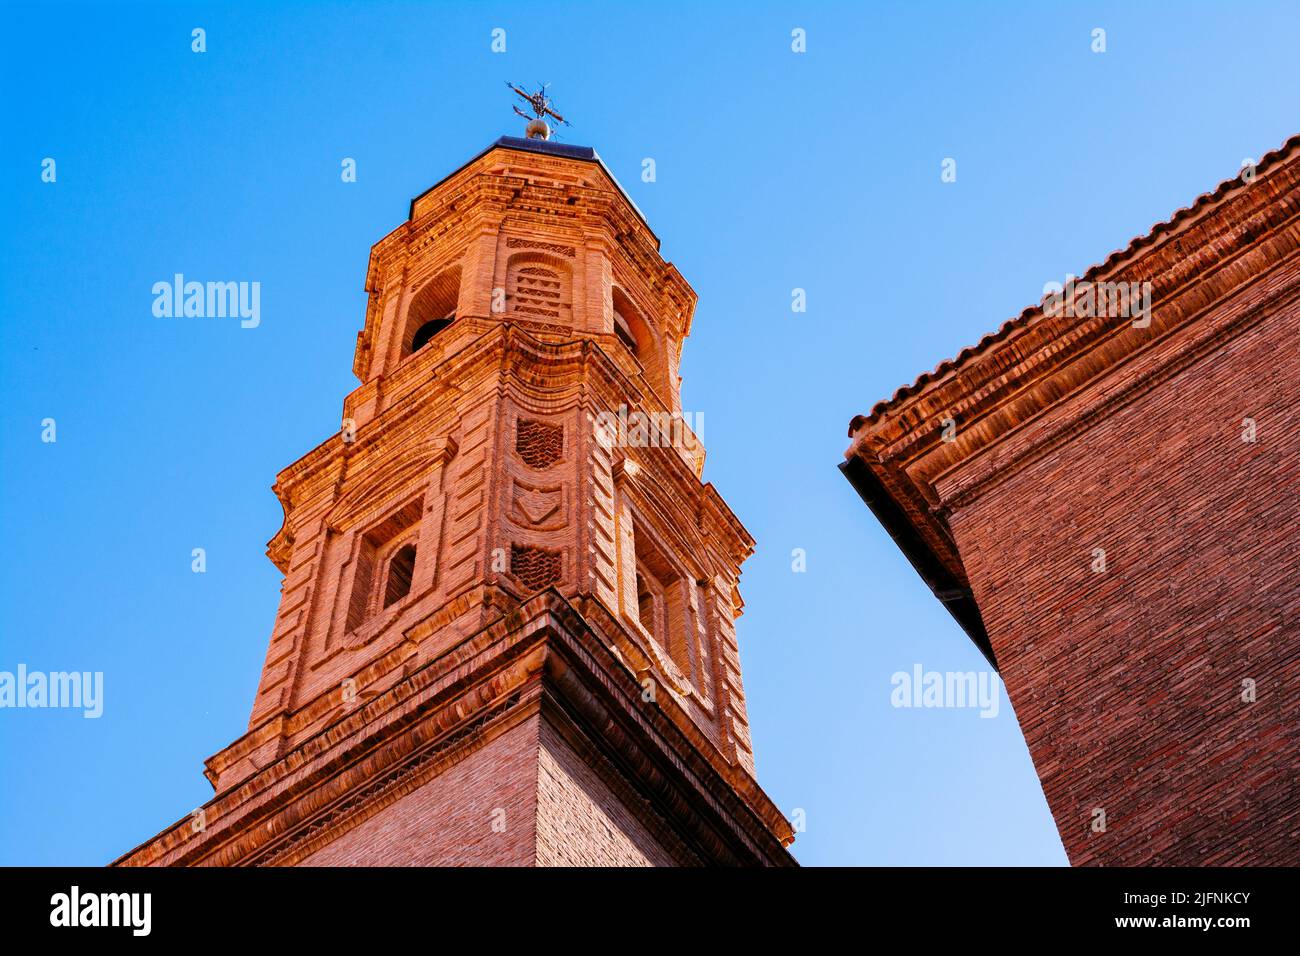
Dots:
{"x": 539, "y": 444}
{"x": 535, "y": 568}
{"x": 538, "y": 286}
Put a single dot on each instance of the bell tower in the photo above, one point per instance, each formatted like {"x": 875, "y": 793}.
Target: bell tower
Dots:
{"x": 506, "y": 632}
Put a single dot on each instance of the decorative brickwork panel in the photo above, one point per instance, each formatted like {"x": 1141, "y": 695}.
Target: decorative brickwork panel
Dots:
{"x": 538, "y": 290}
{"x": 538, "y": 507}
{"x": 535, "y": 568}
{"x": 516, "y": 243}
{"x": 539, "y": 444}
{"x": 538, "y": 286}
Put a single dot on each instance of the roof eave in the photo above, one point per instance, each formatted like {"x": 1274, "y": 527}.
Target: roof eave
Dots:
{"x": 951, "y": 593}
{"x": 583, "y": 154}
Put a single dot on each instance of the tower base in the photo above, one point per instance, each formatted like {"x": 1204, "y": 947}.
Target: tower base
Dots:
{"x": 529, "y": 743}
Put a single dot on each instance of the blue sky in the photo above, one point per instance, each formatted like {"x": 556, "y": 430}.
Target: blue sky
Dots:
{"x": 775, "y": 171}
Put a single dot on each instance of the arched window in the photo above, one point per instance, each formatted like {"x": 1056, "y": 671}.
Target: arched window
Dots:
{"x": 661, "y": 601}
{"x": 385, "y": 564}
{"x": 432, "y": 309}
{"x": 629, "y": 326}
{"x": 400, "y": 571}
{"x": 427, "y": 331}
{"x": 624, "y": 332}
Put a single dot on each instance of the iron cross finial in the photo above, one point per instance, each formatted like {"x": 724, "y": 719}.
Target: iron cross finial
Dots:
{"x": 540, "y": 104}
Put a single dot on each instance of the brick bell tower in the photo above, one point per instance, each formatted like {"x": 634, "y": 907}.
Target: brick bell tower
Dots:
{"x": 506, "y": 632}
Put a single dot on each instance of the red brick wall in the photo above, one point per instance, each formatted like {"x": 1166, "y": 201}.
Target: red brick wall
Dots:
{"x": 558, "y": 812}
{"x": 580, "y": 821}
{"x": 448, "y": 821}
{"x": 1128, "y": 683}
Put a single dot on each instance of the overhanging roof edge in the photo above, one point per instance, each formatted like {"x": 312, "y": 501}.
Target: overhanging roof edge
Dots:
{"x": 546, "y": 148}
{"x": 954, "y": 595}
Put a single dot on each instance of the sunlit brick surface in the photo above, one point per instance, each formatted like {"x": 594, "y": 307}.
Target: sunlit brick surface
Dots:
{"x": 460, "y": 568}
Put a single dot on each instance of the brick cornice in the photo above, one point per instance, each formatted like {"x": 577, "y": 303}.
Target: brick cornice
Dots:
{"x": 1035, "y": 383}
{"x": 501, "y": 349}
{"x": 380, "y": 750}
{"x": 577, "y": 199}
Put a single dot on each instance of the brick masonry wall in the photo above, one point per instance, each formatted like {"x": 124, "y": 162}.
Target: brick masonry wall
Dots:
{"x": 448, "y": 821}
{"x": 557, "y": 812}
{"x": 436, "y": 432}
{"x": 1128, "y": 683}
{"x": 435, "y": 453}
{"x": 580, "y": 821}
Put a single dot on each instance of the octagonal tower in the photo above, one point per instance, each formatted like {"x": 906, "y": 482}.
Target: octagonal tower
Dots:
{"x": 506, "y": 634}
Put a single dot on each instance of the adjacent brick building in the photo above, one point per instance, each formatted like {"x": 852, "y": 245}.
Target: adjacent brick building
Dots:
{"x": 1108, "y": 508}
{"x": 507, "y": 632}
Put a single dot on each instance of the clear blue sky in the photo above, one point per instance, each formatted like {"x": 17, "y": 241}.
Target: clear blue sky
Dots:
{"x": 774, "y": 171}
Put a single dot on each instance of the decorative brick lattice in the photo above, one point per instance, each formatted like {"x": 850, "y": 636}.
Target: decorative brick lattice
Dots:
{"x": 517, "y": 243}
{"x": 540, "y": 445}
{"x": 538, "y": 291}
{"x": 534, "y": 568}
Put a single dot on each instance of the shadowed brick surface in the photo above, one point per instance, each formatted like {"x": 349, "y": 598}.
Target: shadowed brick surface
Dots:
{"x": 449, "y": 820}
{"x": 1128, "y": 683}
{"x": 580, "y": 821}
{"x": 1078, "y": 438}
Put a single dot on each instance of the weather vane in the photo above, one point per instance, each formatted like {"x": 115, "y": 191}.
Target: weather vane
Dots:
{"x": 540, "y": 103}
